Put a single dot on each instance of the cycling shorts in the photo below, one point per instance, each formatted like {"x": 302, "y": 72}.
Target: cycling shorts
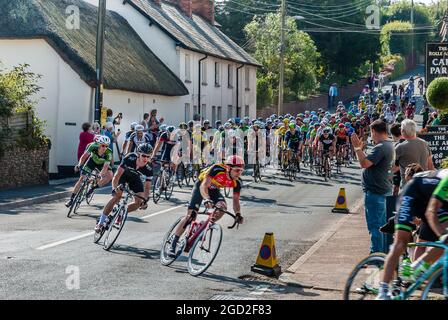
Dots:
{"x": 196, "y": 196}
{"x": 90, "y": 166}
{"x": 341, "y": 141}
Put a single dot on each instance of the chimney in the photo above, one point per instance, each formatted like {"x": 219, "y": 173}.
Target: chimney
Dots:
{"x": 183, "y": 5}
{"x": 205, "y": 9}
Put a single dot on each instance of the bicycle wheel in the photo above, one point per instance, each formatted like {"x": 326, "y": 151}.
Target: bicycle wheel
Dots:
{"x": 165, "y": 259}
{"x": 90, "y": 197}
{"x": 180, "y": 174}
{"x": 434, "y": 289}
{"x": 187, "y": 176}
{"x": 169, "y": 186}
{"x": 204, "y": 250}
{"x": 156, "y": 188}
{"x": 195, "y": 173}
{"x": 363, "y": 282}
{"x": 115, "y": 227}
{"x": 256, "y": 172}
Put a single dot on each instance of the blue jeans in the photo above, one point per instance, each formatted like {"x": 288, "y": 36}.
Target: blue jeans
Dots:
{"x": 375, "y": 206}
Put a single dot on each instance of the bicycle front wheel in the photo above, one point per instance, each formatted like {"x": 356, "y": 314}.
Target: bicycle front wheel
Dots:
{"x": 115, "y": 227}
{"x": 157, "y": 189}
{"x": 166, "y": 259}
{"x": 363, "y": 282}
{"x": 434, "y": 289}
{"x": 204, "y": 250}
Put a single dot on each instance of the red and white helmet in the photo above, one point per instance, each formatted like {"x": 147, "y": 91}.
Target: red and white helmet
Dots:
{"x": 235, "y": 161}
{"x": 103, "y": 140}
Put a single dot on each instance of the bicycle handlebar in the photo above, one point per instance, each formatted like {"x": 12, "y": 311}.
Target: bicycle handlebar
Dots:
{"x": 235, "y": 223}
{"x": 126, "y": 188}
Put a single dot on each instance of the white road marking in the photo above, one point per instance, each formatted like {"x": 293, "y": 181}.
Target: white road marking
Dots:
{"x": 58, "y": 243}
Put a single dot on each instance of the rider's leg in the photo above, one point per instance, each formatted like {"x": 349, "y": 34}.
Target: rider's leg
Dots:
{"x": 109, "y": 206}
{"x": 75, "y": 190}
{"x": 218, "y": 214}
{"x": 105, "y": 179}
{"x": 137, "y": 202}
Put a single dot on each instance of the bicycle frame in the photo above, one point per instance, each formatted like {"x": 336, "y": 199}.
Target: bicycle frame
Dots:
{"x": 193, "y": 236}
{"x": 441, "y": 263}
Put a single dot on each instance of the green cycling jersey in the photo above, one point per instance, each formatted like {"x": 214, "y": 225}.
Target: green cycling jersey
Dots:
{"x": 441, "y": 192}
{"x": 96, "y": 158}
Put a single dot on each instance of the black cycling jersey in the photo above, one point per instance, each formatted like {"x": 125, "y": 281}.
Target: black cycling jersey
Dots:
{"x": 145, "y": 138}
{"x": 415, "y": 198}
{"x": 327, "y": 142}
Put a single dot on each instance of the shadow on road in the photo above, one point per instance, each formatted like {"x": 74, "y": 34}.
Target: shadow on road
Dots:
{"x": 136, "y": 252}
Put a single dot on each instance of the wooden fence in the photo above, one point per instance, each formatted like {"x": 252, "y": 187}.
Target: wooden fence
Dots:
{"x": 15, "y": 123}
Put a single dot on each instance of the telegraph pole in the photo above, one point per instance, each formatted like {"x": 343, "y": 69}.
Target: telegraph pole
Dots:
{"x": 412, "y": 36}
{"x": 282, "y": 54}
{"x": 99, "y": 59}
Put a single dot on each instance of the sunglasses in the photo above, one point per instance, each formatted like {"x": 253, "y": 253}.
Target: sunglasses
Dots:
{"x": 238, "y": 169}
{"x": 145, "y": 156}
{"x": 104, "y": 145}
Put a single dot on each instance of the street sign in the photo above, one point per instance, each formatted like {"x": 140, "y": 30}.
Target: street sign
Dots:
{"x": 436, "y": 61}
{"x": 438, "y": 143}
{"x": 437, "y": 129}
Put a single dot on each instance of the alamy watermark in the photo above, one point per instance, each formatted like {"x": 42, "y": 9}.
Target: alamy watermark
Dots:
{"x": 73, "y": 21}
{"x": 73, "y": 280}
{"x": 373, "y": 17}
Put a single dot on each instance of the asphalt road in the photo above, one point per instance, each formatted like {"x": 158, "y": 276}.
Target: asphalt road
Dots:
{"x": 42, "y": 251}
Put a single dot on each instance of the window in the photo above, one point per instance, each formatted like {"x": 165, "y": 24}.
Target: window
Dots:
{"x": 187, "y": 112}
{"x": 229, "y": 111}
{"x": 230, "y": 76}
{"x": 220, "y": 113}
{"x": 217, "y": 74}
{"x": 247, "y": 78}
{"x": 204, "y": 72}
{"x": 195, "y": 110}
{"x": 204, "y": 112}
{"x": 187, "y": 68}
{"x": 246, "y": 112}
{"x": 213, "y": 115}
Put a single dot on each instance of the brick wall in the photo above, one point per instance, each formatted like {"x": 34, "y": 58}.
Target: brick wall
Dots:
{"x": 346, "y": 94}
{"x": 23, "y": 167}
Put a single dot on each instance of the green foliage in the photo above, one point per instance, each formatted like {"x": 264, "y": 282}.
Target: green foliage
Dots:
{"x": 264, "y": 93}
{"x": 397, "y": 62}
{"x": 424, "y": 16}
{"x": 395, "y": 38}
{"x": 437, "y": 93}
{"x": 302, "y": 67}
{"x": 18, "y": 88}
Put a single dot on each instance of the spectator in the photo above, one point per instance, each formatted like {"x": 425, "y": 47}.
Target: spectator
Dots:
{"x": 395, "y": 130}
{"x": 376, "y": 182}
{"x": 109, "y": 132}
{"x": 96, "y": 128}
{"x": 332, "y": 94}
{"x": 413, "y": 150}
{"x": 145, "y": 122}
{"x": 109, "y": 115}
{"x": 153, "y": 122}
{"x": 85, "y": 138}
{"x": 425, "y": 114}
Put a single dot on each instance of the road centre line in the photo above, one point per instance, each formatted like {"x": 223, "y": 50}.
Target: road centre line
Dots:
{"x": 54, "y": 244}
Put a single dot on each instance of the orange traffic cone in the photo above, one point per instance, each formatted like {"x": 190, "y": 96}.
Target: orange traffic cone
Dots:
{"x": 341, "y": 203}
{"x": 267, "y": 258}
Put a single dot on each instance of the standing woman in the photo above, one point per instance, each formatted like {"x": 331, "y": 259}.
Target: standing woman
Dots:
{"x": 85, "y": 138}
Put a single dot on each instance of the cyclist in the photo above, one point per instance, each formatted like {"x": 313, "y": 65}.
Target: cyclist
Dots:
{"x": 426, "y": 187}
{"x": 167, "y": 141}
{"x": 326, "y": 143}
{"x": 206, "y": 189}
{"x": 127, "y": 138}
{"x": 98, "y": 156}
{"x": 129, "y": 171}
{"x": 137, "y": 138}
{"x": 293, "y": 141}
{"x": 342, "y": 141}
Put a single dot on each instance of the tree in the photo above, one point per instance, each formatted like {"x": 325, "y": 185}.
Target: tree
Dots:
{"x": 396, "y": 38}
{"x": 301, "y": 58}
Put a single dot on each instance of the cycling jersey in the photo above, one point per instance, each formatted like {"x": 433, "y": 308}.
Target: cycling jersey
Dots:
{"x": 326, "y": 142}
{"x": 145, "y": 138}
{"x": 292, "y": 140}
{"x": 416, "y": 195}
{"x": 130, "y": 176}
{"x": 220, "y": 178}
{"x": 93, "y": 149}
{"x": 168, "y": 144}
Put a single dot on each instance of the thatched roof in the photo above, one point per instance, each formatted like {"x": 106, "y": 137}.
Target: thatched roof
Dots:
{"x": 193, "y": 33}
{"x": 128, "y": 63}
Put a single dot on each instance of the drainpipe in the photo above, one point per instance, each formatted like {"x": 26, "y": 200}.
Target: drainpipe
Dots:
{"x": 238, "y": 90}
{"x": 200, "y": 84}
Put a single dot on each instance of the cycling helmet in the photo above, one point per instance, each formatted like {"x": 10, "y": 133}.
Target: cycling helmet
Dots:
{"x": 218, "y": 123}
{"x": 257, "y": 124}
{"x": 221, "y": 128}
{"x": 133, "y": 125}
{"x": 144, "y": 148}
{"x": 292, "y": 125}
{"x": 286, "y": 120}
{"x": 170, "y": 128}
{"x": 103, "y": 140}
{"x": 183, "y": 125}
{"x": 306, "y": 120}
{"x": 227, "y": 125}
{"x": 139, "y": 127}
{"x": 326, "y": 131}
{"x": 341, "y": 125}
{"x": 206, "y": 122}
{"x": 269, "y": 122}
{"x": 97, "y": 136}
{"x": 235, "y": 161}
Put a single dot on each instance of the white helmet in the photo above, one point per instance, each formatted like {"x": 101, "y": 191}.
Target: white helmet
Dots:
{"x": 133, "y": 125}
{"x": 139, "y": 127}
{"x": 97, "y": 136}
{"x": 103, "y": 140}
